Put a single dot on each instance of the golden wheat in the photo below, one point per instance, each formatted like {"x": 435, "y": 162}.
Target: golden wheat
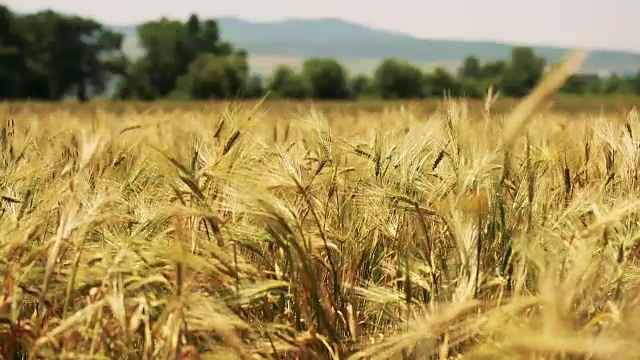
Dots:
{"x": 253, "y": 233}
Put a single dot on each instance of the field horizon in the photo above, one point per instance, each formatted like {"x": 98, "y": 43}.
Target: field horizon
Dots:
{"x": 560, "y": 104}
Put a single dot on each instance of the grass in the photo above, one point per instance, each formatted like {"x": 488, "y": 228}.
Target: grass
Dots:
{"x": 246, "y": 232}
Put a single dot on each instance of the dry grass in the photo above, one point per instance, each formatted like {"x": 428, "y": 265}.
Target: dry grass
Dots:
{"x": 267, "y": 234}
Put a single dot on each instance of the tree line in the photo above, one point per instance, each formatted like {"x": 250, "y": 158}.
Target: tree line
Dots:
{"x": 48, "y": 55}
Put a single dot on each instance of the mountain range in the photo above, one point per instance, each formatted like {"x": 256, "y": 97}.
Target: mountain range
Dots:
{"x": 361, "y": 48}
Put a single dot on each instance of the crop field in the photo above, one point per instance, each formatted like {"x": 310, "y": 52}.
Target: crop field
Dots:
{"x": 566, "y": 105}
{"x": 262, "y": 231}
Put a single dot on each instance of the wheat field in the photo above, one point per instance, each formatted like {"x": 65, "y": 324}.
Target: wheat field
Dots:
{"x": 247, "y": 233}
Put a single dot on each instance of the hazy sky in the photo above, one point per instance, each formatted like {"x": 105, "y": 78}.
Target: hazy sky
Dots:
{"x": 612, "y": 24}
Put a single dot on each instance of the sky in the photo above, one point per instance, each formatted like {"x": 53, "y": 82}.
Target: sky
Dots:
{"x": 611, "y": 24}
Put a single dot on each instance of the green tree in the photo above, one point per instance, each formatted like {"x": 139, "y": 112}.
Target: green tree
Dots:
{"x": 68, "y": 53}
{"x": 237, "y": 73}
{"x": 470, "y": 69}
{"x": 471, "y": 82}
{"x": 522, "y": 73}
{"x": 635, "y": 83}
{"x": 206, "y": 78}
{"x": 213, "y": 76}
{"x": 13, "y": 69}
{"x": 491, "y": 74}
{"x": 581, "y": 84}
{"x": 327, "y": 77}
{"x": 493, "y": 70}
{"x": 616, "y": 85}
{"x": 255, "y": 87}
{"x": 362, "y": 86}
{"x": 137, "y": 83}
{"x": 164, "y": 60}
{"x": 288, "y": 84}
{"x": 170, "y": 48}
{"x": 440, "y": 82}
{"x": 575, "y": 84}
{"x": 472, "y": 87}
{"x": 396, "y": 79}
{"x": 103, "y": 60}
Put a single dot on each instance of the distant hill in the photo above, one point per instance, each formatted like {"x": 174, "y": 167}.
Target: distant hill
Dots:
{"x": 361, "y": 48}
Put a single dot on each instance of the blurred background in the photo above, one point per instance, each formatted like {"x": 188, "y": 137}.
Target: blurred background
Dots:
{"x": 330, "y": 50}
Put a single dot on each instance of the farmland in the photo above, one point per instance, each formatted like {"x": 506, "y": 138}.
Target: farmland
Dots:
{"x": 372, "y": 230}
{"x": 559, "y": 104}
{"x": 330, "y": 202}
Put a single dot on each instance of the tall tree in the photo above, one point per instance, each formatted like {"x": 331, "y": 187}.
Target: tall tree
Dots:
{"x": 523, "y": 72}
{"x": 327, "y": 77}
{"x": 616, "y": 85}
{"x": 397, "y": 79}
{"x": 580, "y": 83}
{"x": 13, "y": 70}
{"x": 165, "y": 57}
{"x": 492, "y": 73}
{"x": 68, "y": 53}
{"x": 471, "y": 68}
{"x": 362, "y": 86}
{"x": 213, "y": 76}
{"x": 255, "y": 87}
{"x": 288, "y": 84}
{"x": 440, "y": 82}
{"x": 170, "y": 49}
{"x": 635, "y": 83}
